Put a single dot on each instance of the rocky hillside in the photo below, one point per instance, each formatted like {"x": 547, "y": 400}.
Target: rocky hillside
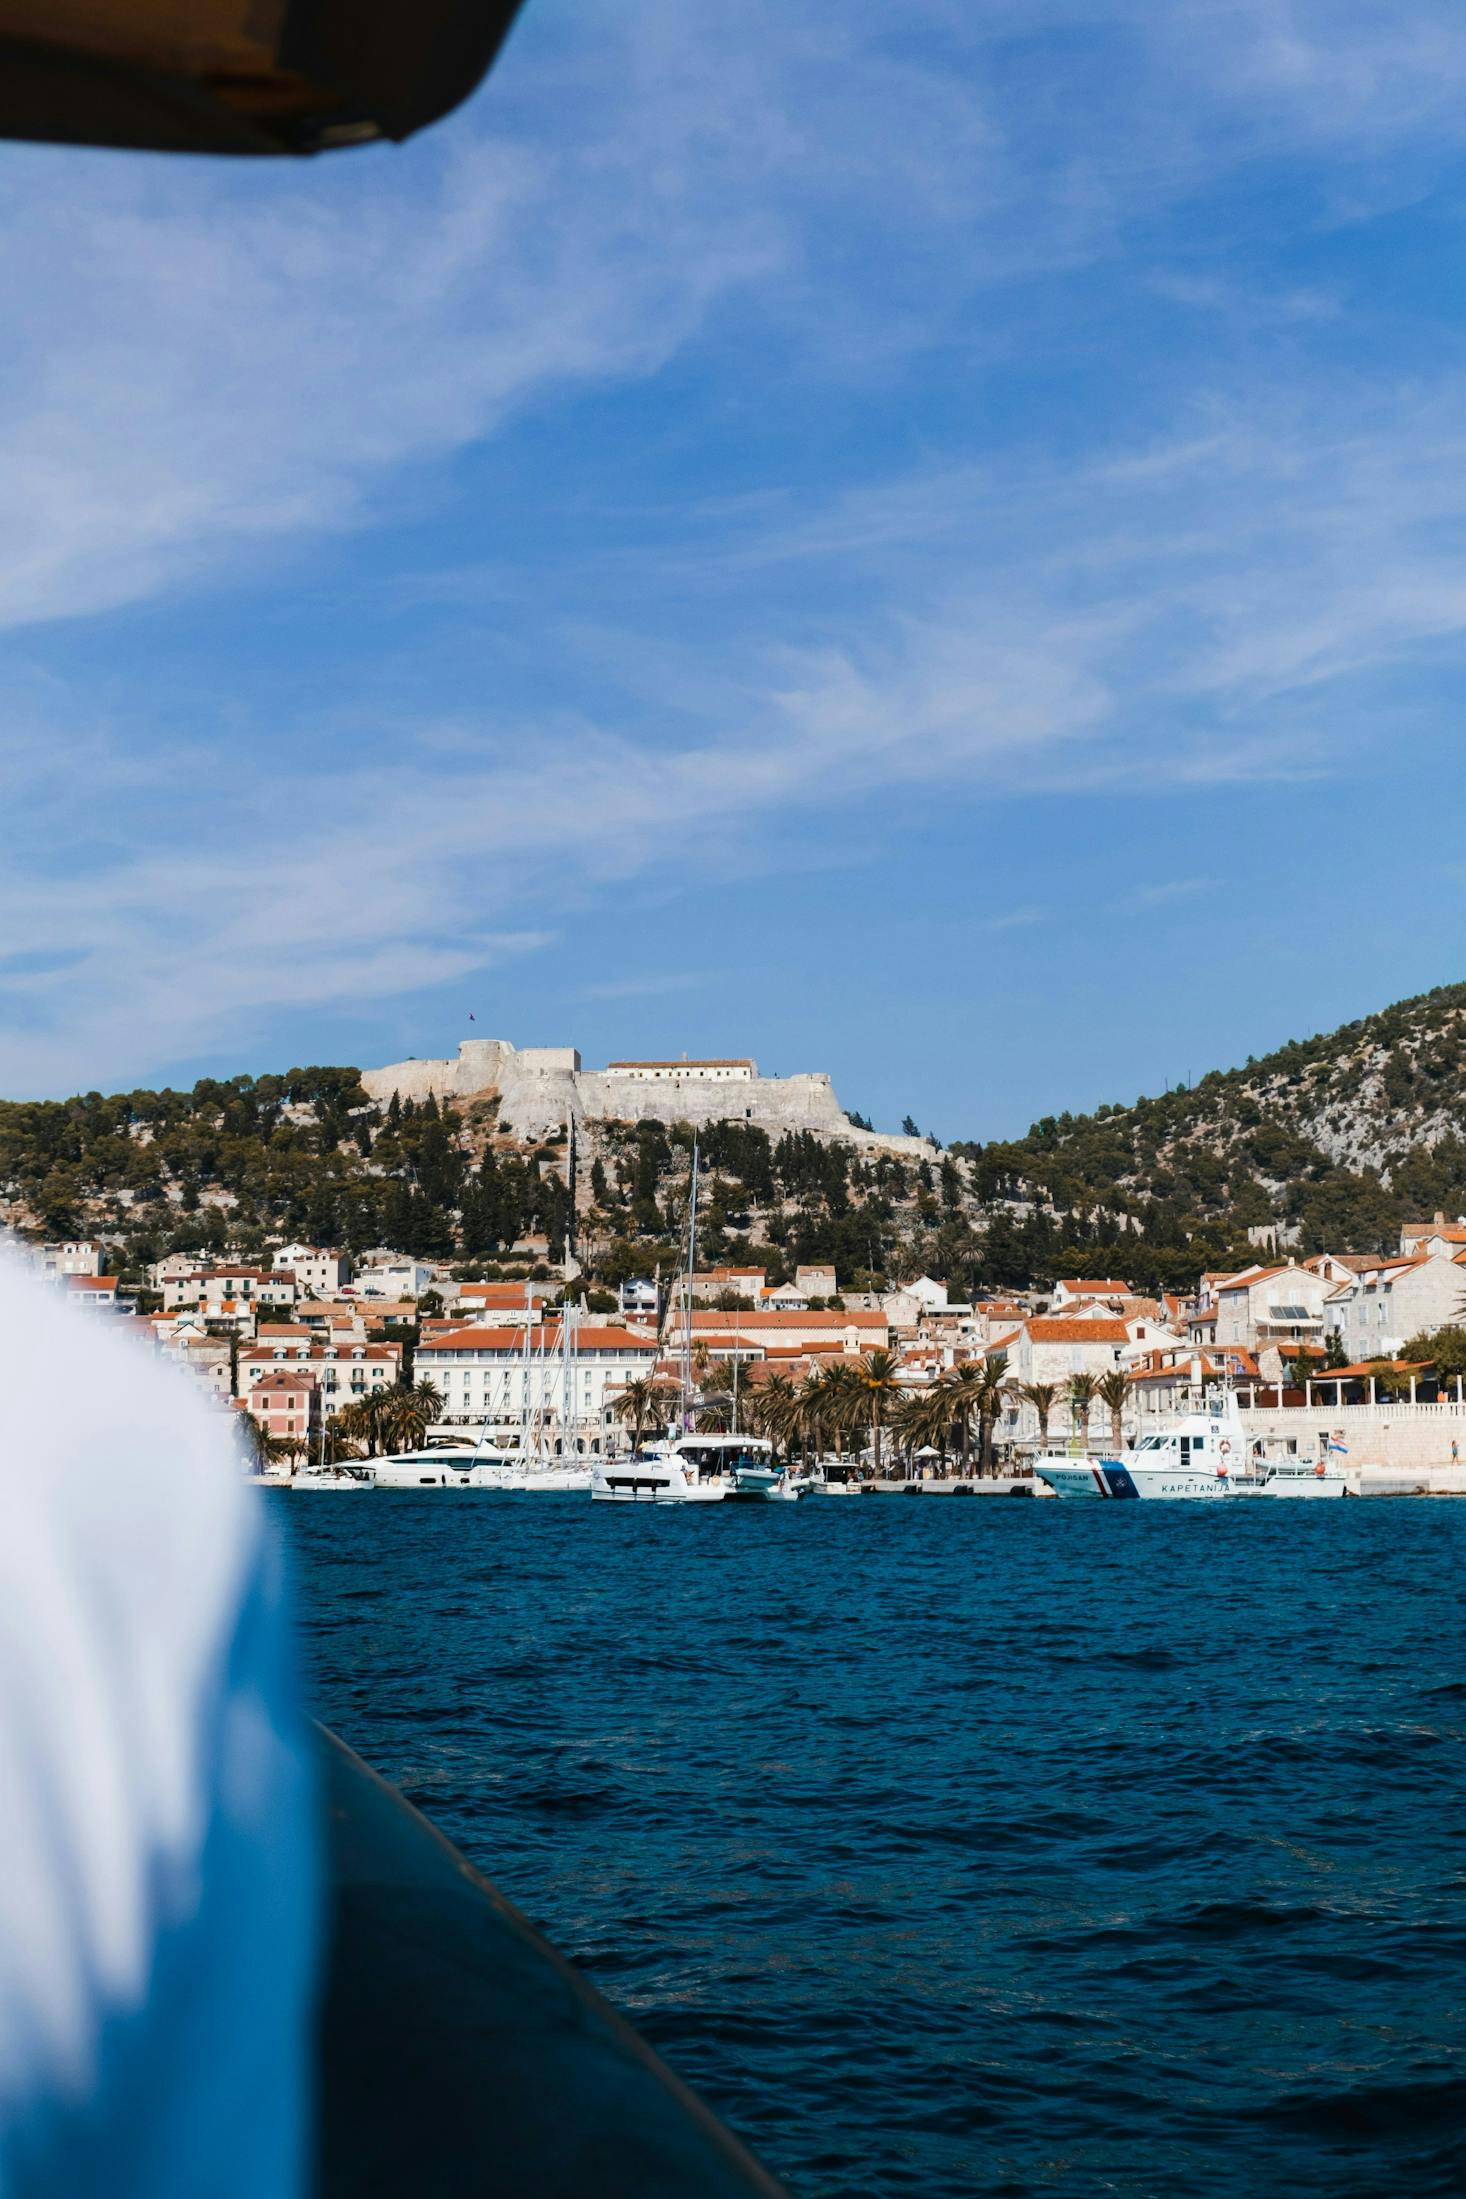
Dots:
{"x": 1338, "y": 1138}
{"x": 1330, "y": 1141}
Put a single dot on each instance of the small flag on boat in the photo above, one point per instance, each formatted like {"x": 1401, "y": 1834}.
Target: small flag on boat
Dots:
{"x": 1341, "y": 1448}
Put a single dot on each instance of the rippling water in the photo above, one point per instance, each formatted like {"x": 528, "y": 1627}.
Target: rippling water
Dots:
{"x": 1012, "y": 1847}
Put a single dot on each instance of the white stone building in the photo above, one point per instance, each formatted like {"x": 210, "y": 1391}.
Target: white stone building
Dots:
{"x": 753, "y": 1335}
{"x": 683, "y": 1071}
{"x": 318, "y": 1273}
{"x": 395, "y": 1278}
{"x": 487, "y": 1377}
{"x": 234, "y": 1294}
{"x": 1376, "y": 1310}
{"x": 81, "y": 1257}
{"x": 1272, "y": 1305}
{"x": 341, "y": 1373}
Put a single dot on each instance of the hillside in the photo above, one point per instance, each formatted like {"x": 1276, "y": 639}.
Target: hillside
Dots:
{"x": 1330, "y": 1141}
{"x": 1339, "y": 1137}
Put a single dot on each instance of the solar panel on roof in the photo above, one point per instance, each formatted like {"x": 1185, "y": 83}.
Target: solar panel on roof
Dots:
{"x": 1289, "y": 1313}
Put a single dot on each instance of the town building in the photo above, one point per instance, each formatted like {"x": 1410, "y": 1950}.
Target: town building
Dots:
{"x": 318, "y": 1273}
{"x": 755, "y": 1335}
{"x": 711, "y": 1284}
{"x": 1271, "y": 1305}
{"x": 286, "y": 1403}
{"x": 1448, "y": 1238}
{"x": 741, "y": 1071}
{"x": 341, "y": 1374}
{"x": 637, "y": 1298}
{"x": 81, "y": 1257}
{"x": 395, "y": 1278}
{"x": 229, "y": 1293}
{"x": 1378, "y": 1309}
{"x": 499, "y": 1301}
{"x": 496, "y": 1376}
{"x": 1074, "y": 1288}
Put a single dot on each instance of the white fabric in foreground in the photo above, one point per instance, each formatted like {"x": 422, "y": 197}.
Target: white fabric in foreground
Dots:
{"x": 157, "y": 1860}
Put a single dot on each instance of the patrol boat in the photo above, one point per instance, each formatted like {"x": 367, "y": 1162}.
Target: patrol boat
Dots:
{"x": 1194, "y": 1458}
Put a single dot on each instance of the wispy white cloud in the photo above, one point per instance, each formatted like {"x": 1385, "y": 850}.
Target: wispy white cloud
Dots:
{"x": 643, "y": 988}
{"x": 212, "y": 368}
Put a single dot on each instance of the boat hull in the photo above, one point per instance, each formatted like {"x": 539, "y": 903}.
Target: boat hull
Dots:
{"x": 1094, "y": 1477}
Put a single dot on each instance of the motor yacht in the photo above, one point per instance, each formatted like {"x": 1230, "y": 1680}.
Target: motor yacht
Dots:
{"x": 445, "y": 1466}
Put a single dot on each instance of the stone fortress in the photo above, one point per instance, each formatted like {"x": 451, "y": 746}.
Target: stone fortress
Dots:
{"x": 544, "y": 1088}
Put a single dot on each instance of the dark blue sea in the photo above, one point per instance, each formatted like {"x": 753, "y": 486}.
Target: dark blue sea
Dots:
{"x": 945, "y": 1846}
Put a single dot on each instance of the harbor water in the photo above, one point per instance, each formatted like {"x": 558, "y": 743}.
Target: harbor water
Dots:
{"x": 944, "y": 1846}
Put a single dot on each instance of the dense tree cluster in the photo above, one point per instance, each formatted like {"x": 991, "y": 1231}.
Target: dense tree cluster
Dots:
{"x": 231, "y": 1166}
{"x": 1337, "y": 1138}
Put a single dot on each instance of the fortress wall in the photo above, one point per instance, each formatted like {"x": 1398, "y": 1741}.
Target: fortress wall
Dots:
{"x": 542, "y": 1088}
{"x": 479, "y": 1064}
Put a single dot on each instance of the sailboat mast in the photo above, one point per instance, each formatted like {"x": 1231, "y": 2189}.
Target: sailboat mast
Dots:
{"x": 687, "y": 1276}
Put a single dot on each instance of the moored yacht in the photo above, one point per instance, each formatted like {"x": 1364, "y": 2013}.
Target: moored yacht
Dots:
{"x": 338, "y": 1478}
{"x": 1288, "y": 1477}
{"x": 686, "y": 1470}
{"x": 445, "y": 1466}
{"x": 756, "y": 1475}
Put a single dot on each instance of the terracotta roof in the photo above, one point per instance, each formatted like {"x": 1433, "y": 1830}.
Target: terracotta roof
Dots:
{"x": 512, "y": 1340}
{"x": 1371, "y": 1366}
{"x": 285, "y": 1378}
{"x": 1451, "y": 1232}
{"x": 1109, "y": 1288}
{"x": 90, "y": 1282}
{"x": 706, "y": 1319}
{"x": 324, "y": 1355}
{"x": 1248, "y": 1276}
{"x": 1056, "y": 1330}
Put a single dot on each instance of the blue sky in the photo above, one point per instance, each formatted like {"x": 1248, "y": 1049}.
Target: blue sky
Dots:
{"x": 922, "y": 541}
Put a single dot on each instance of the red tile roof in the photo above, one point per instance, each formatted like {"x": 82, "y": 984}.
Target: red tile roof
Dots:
{"x": 543, "y": 1334}
{"x": 755, "y": 1321}
{"x": 1057, "y": 1330}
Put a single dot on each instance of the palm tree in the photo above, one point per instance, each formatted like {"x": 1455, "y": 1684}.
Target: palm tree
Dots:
{"x": 773, "y": 1409}
{"x": 1113, "y": 1392}
{"x": 1081, "y": 1394}
{"x": 878, "y": 1375}
{"x": 336, "y": 1446}
{"x": 363, "y": 1420}
{"x": 914, "y": 1418}
{"x": 717, "y": 1389}
{"x": 1043, "y": 1397}
{"x": 835, "y": 1401}
{"x": 963, "y": 1388}
{"x": 407, "y": 1412}
{"x": 991, "y": 1397}
{"x": 637, "y": 1404}
{"x": 254, "y": 1439}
